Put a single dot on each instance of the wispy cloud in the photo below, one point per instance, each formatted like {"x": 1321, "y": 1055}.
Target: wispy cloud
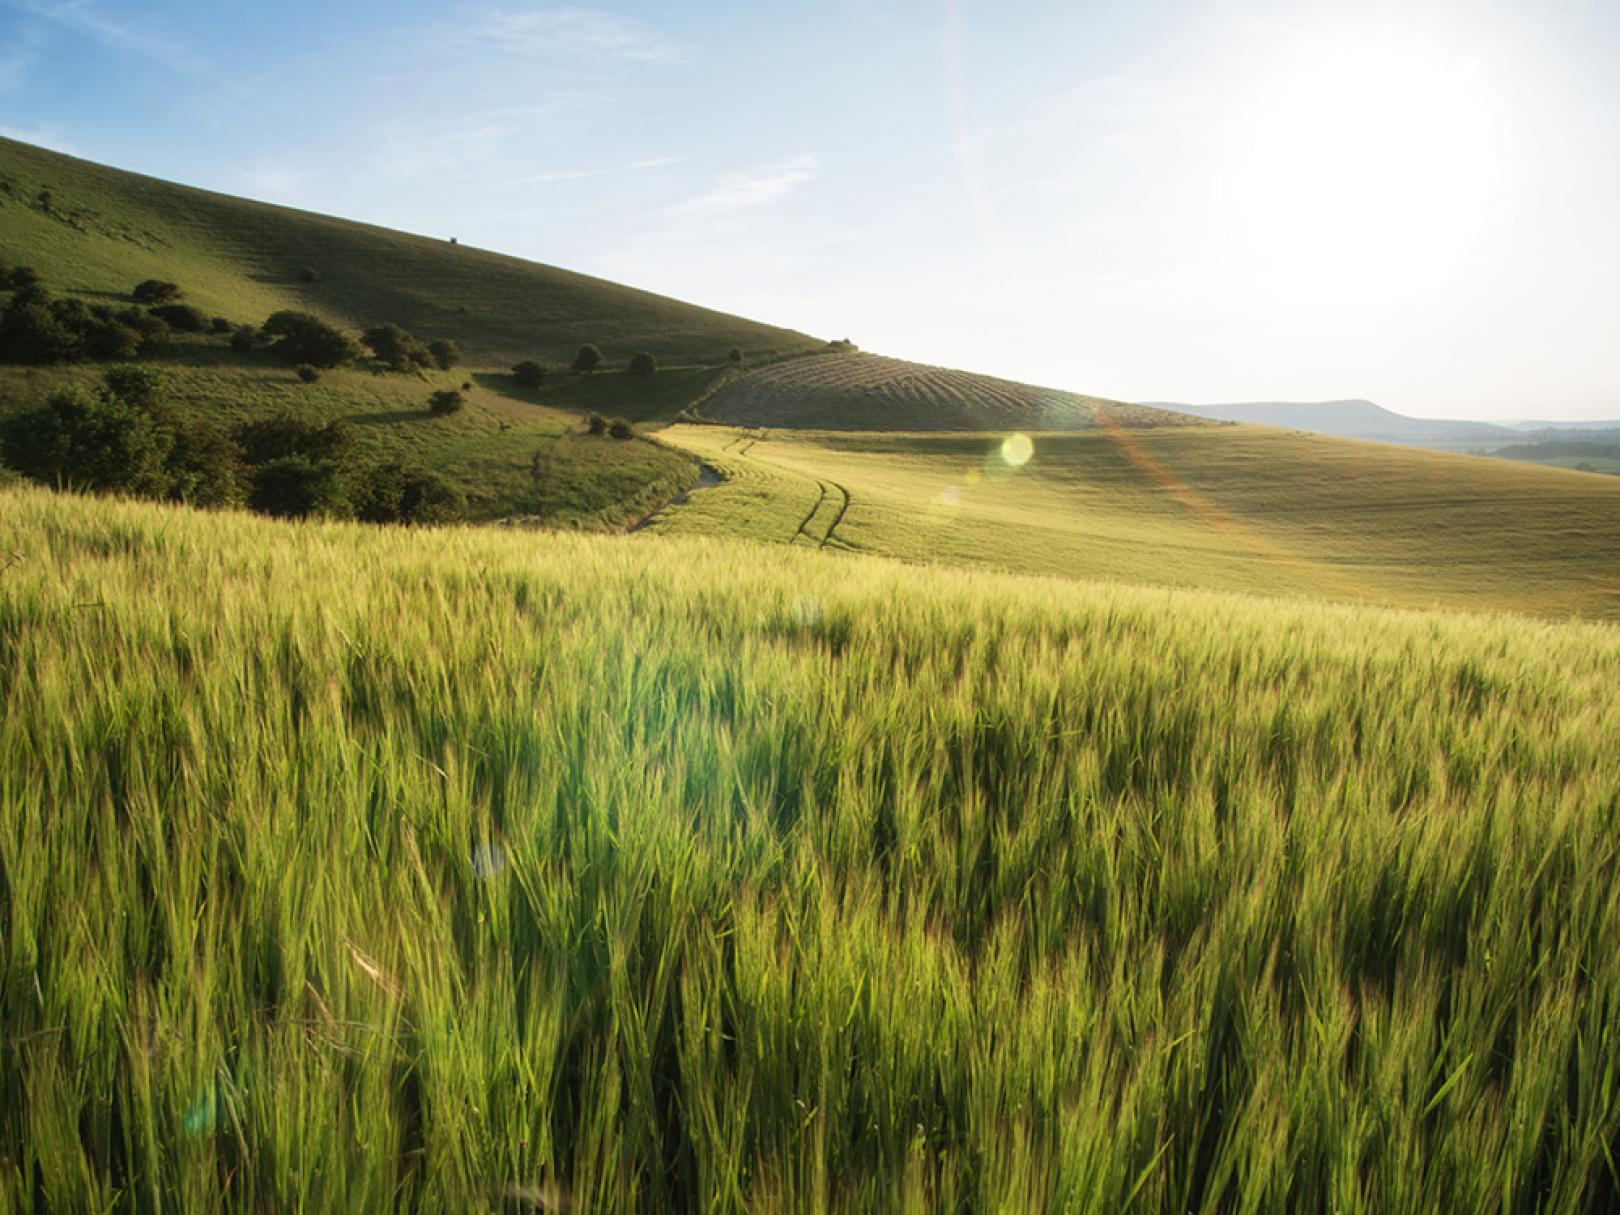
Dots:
{"x": 756, "y": 187}
{"x": 44, "y": 137}
{"x": 577, "y": 31}
{"x": 82, "y": 17}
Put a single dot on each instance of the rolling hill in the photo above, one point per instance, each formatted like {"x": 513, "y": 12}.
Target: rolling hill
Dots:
{"x": 1357, "y": 419}
{"x": 856, "y": 391}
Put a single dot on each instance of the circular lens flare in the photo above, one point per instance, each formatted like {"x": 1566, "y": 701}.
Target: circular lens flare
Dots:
{"x": 1017, "y": 450}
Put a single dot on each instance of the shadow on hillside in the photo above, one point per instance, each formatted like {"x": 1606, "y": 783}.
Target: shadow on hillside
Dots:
{"x": 503, "y": 385}
{"x": 388, "y": 417}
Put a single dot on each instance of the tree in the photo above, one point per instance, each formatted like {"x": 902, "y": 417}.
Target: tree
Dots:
{"x": 595, "y": 423}
{"x": 396, "y": 348}
{"x": 32, "y": 333}
{"x": 736, "y": 356}
{"x": 529, "y": 374}
{"x": 144, "y": 387}
{"x": 182, "y": 318}
{"x": 308, "y": 374}
{"x": 155, "y": 291}
{"x": 588, "y": 359}
{"x": 204, "y": 465}
{"x": 446, "y": 354}
{"x": 445, "y": 402}
{"x": 393, "y": 493}
{"x": 295, "y": 487}
{"x": 89, "y": 441}
{"x": 643, "y": 363}
{"x": 621, "y": 429}
{"x": 221, "y": 325}
{"x": 302, "y": 338}
{"x": 244, "y": 339}
{"x": 295, "y": 434}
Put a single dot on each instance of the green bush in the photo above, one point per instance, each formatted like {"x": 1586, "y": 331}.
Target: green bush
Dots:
{"x": 244, "y": 339}
{"x": 296, "y": 434}
{"x": 445, "y": 402}
{"x": 595, "y": 423}
{"x": 529, "y": 374}
{"x": 302, "y": 338}
{"x": 736, "y": 355}
{"x": 309, "y": 274}
{"x": 308, "y": 374}
{"x": 33, "y": 333}
{"x": 621, "y": 429}
{"x": 393, "y": 493}
{"x": 89, "y": 441}
{"x": 643, "y": 363}
{"x": 221, "y": 325}
{"x": 145, "y": 387}
{"x": 588, "y": 359}
{"x": 295, "y": 487}
{"x": 182, "y": 318}
{"x": 155, "y": 291}
{"x": 395, "y": 348}
{"x": 445, "y": 353}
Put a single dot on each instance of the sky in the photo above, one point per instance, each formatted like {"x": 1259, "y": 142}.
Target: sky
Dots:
{"x": 1154, "y": 200}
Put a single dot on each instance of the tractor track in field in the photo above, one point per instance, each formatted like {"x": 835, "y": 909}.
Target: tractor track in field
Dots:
{"x": 839, "y": 517}
{"x": 804, "y": 524}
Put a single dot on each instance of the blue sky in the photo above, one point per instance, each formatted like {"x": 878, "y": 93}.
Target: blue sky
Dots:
{"x": 1193, "y": 200}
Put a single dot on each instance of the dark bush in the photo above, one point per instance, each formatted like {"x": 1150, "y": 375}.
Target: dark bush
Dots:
{"x": 445, "y": 402}
{"x": 20, "y": 278}
{"x": 643, "y": 363}
{"x": 620, "y": 429}
{"x": 244, "y": 339}
{"x": 221, "y": 325}
{"x": 393, "y": 493}
{"x": 529, "y": 374}
{"x": 596, "y": 424}
{"x": 144, "y": 387}
{"x": 295, "y": 487}
{"x": 445, "y": 353}
{"x": 89, "y": 441}
{"x": 32, "y": 333}
{"x": 205, "y": 466}
{"x": 155, "y": 291}
{"x": 588, "y": 359}
{"x": 395, "y": 348}
{"x": 307, "y": 373}
{"x": 295, "y": 434}
{"x": 302, "y": 338}
{"x": 736, "y": 355}
{"x": 110, "y": 340}
{"x": 182, "y": 318}
{"x": 308, "y": 274}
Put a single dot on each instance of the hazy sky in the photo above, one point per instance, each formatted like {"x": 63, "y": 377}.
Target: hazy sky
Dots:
{"x": 1194, "y": 200}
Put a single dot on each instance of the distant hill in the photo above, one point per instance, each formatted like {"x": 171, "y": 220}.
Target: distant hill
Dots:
{"x": 1355, "y": 419}
{"x": 843, "y": 391}
{"x": 1612, "y": 424}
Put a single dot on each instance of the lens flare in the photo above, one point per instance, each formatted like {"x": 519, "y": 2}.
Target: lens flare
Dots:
{"x": 1017, "y": 450}
{"x": 806, "y": 611}
{"x": 488, "y": 860}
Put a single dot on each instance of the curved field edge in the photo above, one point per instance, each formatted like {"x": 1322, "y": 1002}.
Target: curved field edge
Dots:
{"x": 1241, "y": 508}
{"x": 366, "y": 869}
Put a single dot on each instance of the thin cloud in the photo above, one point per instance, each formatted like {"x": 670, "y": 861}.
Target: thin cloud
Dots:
{"x": 578, "y": 31}
{"x": 81, "y": 17}
{"x": 742, "y": 191}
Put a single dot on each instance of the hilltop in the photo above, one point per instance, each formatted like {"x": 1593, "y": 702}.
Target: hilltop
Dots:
{"x": 856, "y": 391}
{"x": 1357, "y": 419}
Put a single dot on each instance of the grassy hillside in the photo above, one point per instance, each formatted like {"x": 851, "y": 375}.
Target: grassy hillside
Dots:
{"x": 868, "y": 392}
{"x": 353, "y": 869}
{"x": 104, "y": 230}
{"x": 1235, "y": 508}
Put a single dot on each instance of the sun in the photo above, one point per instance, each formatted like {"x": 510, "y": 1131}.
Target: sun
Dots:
{"x": 1364, "y": 165}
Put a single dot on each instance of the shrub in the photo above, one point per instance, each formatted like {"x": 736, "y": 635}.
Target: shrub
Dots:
{"x": 295, "y": 487}
{"x": 204, "y": 466}
{"x": 393, "y": 493}
{"x": 295, "y": 434}
{"x": 182, "y": 318}
{"x": 445, "y": 353}
{"x": 736, "y": 355}
{"x": 89, "y": 441}
{"x": 307, "y": 373}
{"x": 309, "y": 274}
{"x": 588, "y": 359}
{"x": 529, "y": 374}
{"x": 596, "y": 424}
{"x": 643, "y": 363}
{"x": 221, "y": 325}
{"x": 33, "y": 333}
{"x": 302, "y": 338}
{"x": 620, "y": 429}
{"x": 110, "y": 340}
{"x": 396, "y": 348}
{"x": 144, "y": 387}
{"x": 155, "y": 291}
{"x": 445, "y": 402}
{"x": 244, "y": 339}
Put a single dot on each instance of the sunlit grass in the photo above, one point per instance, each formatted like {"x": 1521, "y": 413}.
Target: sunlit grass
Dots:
{"x": 361, "y": 869}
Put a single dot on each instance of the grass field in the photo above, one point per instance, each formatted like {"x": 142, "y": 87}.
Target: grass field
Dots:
{"x": 371, "y": 869}
{"x": 1233, "y": 508}
{"x": 869, "y": 392}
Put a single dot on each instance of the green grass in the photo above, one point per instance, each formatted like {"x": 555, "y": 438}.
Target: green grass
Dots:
{"x": 1246, "y": 509}
{"x": 363, "y": 869}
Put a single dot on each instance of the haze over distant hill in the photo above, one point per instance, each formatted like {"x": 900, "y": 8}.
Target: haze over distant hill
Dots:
{"x": 1356, "y": 419}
